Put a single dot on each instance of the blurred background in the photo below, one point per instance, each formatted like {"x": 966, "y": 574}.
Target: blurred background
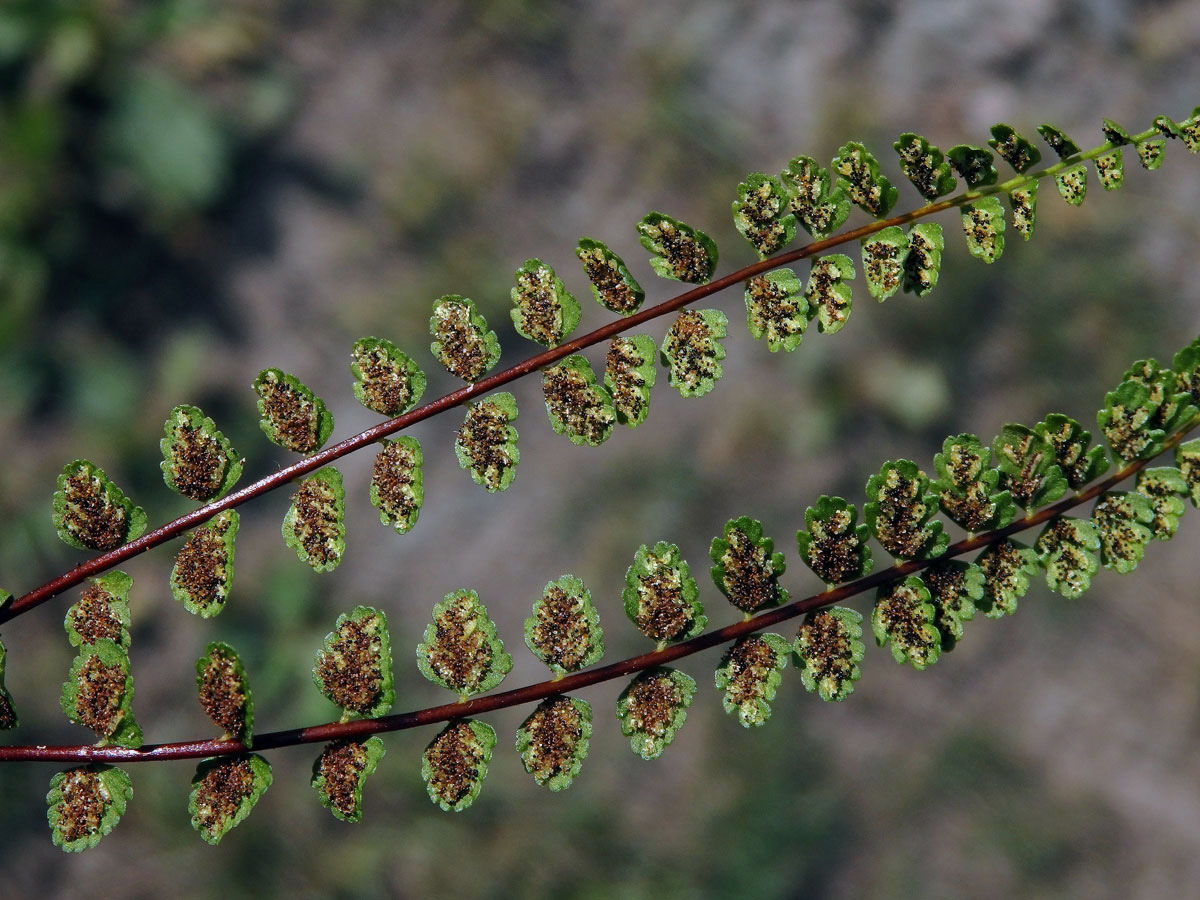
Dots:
{"x": 193, "y": 190}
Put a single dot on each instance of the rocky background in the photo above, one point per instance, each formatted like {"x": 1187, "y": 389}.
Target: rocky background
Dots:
{"x": 191, "y": 191}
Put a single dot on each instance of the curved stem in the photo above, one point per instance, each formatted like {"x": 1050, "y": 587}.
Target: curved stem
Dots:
{"x": 564, "y": 685}
{"x": 173, "y": 529}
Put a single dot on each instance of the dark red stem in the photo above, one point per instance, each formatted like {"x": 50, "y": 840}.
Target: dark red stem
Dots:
{"x": 534, "y": 692}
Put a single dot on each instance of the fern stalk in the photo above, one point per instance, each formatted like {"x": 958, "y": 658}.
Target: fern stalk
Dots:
{"x": 175, "y": 528}
{"x": 564, "y": 685}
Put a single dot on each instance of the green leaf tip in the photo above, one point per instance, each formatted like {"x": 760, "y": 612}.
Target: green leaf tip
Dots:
{"x": 198, "y": 460}
{"x": 612, "y": 285}
{"x": 486, "y": 443}
{"x": 1127, "y": 421}
{"x": 354, "y": 666}
{"x": 1189, "y": 131}
{"x": 224, "y": 791}
{"x": 98, "y": 694}
{"x": 85, "y": 804}
{"x": 564, "y": 631}
{"x": 974, "y": 164}
{"x": 883, "y": 257}
{"x": 1110, "y": 169}
{"x": 923, "y": 260}
{"x": 1058, "y": 140}
{"x": 576, "y": 405}
{"x": 828, "y": 294}
{"x": 1186, "y": 364}
{"x": 629, "y": 374}
{"x": 904, "y": 620}
{"x": 680, "y": 252}
{"x": 92, "y": 513}
{"x": 983, "y": 224}
{"x": 1080, "y": 463}
{"x": 544, "y": 311}
{"x": 341, "y": 771}
{"x": 967, "y": 486}
{"x": 455, "y": 763}
{"x": 224, "y": 692}
{"x": 315, "y": 523}
{"x": 901, "y": 503}
{"x": 828, "y": 650}
{"x": 1123, "y": 519}
{"x": 749, "y": 673}
{"x": 820, "y": 210}
{"x": 661, "y": 597}
{"x": 8, "y": 710}
{"x": 462, "y": 341}
{"x": 692, "y": 351}
{"x": 1166, "y": 487}
{"x": 652, "y": 709}
{"x": 291, "y": 416}
{"x": 1028, "y": 466}
{"x": 955, "y": 587}
{"x": 834, "y": 546}
{"x": 1067, "y": 548}
{"x": 397, "y": 483}
{"x": 1187, "y": 458}
{"x": 102, "y": 611}
{"x": 386, "y": 379}
{"x": 761, "y": 214}
{"x": 202, "y": 576}
{"x": 553, "y": 741}
{"x": 776, "y": 309}
{"x": 462, "y": 650}
{"x": 1007, "y": 566}
{"x": 858, "y": 173}
{"x": 746, "y": 569}
{"x": 924, "y": 165}
{"x": 1014, "y": 149}
{"x": 1024, "y": 209}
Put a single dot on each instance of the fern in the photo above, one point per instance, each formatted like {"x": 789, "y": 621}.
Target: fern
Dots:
{"x": 921, "y": 602}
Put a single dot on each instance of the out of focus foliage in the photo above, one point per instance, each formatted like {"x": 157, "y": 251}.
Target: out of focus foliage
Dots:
{"x": 123, "y": 126}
